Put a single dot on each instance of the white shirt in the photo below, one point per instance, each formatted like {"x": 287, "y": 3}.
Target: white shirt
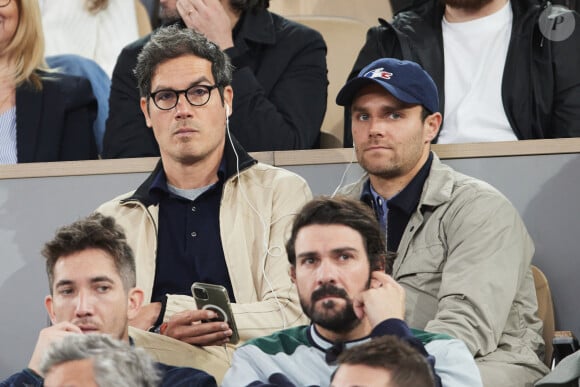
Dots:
{"x": 8, "y": 150}
{"x": 70, "y": 29}
{"x": 475, "y": 54}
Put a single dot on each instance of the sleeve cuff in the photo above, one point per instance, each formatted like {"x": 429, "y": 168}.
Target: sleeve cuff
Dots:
{"x": 392, "y": 326}
{"x": 159, "y": 320}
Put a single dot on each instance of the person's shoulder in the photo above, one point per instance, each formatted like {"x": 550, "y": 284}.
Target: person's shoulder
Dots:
{"x": 427, "y": 337}
{"x": 61, "y": 81}
{"x": 440, "y": 343}
{"x": 463, "y": 185}
{"x": 284, "y": 341}
{"x": 184, "y": 376}
{"x": 269, "y": 173}
{"x": 111, "y": 207}
{"x": 68, "y": 89}
{"x": 353, "y": 190}
{"x": 26, "y": 377}
{"x": 137, "y": 45}
{"x": 411, "y": 17}
{"x": 294, "y": 30}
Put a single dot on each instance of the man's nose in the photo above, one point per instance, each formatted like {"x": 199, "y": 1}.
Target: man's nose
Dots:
{"x": 377, "y": 127}
{"x": 183, "y": 109}
{"x": 84, "y": 304}
{"x": 327, "y": 272}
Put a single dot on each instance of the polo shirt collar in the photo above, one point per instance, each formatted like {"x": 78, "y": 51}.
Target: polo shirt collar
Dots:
{"x": 323, "y": 344}
{"x": 159, "y": 187}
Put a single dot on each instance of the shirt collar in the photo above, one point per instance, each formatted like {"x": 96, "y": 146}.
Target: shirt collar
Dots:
{"x": 323, "y": 344}
{"x": 408, "y": 199}
{"x": 159, "y": 187}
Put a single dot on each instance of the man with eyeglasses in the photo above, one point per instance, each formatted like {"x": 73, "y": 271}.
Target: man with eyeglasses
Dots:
{"x": 279, "y": 78}
{"x": 208, "y": 212}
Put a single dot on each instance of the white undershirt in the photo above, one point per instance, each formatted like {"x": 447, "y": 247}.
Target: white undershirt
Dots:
{"x": 475, "y": 53}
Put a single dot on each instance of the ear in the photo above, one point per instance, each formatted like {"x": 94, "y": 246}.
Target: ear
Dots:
{"x": 229, "y": 98}
{"x": 134, "y": 302}
{"x": 431, "y": 126}
{"x": 145, "y": 110}
{"x": 292, "y": 272}
{"x": 50, "y": 308}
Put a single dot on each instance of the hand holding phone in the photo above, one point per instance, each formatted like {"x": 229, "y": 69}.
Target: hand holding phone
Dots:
{"x": 215, "y": 298}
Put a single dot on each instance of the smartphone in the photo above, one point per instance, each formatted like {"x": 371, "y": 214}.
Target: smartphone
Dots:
{"x": 215, "y": 298}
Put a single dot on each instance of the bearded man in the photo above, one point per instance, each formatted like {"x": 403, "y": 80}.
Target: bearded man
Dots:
{"x": 337, "y": 262}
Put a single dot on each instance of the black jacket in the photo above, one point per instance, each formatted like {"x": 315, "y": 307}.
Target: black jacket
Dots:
{"x": 279, "y": 82}
{"x": 541, "y": 81}
{"x": 55, "y": 123}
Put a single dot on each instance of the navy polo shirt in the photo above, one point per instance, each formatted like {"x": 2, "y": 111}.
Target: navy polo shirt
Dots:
{"x": 400, "y": 207}
{"x": 189, "y": 246}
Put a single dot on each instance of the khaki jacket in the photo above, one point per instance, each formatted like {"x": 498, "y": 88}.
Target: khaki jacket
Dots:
{"x": 256, "y": 212}
{"x": 212, "y": 359}
{"x": 464, "y": 261}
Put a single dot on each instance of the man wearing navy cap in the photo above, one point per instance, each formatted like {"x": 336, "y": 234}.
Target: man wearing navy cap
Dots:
{"x": 463, "y": 251}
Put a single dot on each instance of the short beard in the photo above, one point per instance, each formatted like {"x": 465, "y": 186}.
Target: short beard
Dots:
{"x": 341, "y": 321}
{"x": 169, "y": 16}
{"x": 468, "y": 5}
{"x": 385, "y": 171}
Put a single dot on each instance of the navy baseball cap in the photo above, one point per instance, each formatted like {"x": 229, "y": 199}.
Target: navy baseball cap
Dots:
{"x": 405, "y": 80}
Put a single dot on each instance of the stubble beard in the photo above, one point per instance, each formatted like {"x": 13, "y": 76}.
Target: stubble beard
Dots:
{"x": 387, "y": 170}
{"x": 168, "y": 15}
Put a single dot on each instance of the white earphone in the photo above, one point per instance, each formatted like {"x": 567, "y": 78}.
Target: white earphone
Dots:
{"x": 227, "y": 110}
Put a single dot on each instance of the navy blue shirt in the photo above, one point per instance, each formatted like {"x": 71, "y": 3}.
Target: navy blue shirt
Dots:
{"x": 400, "y": 207}
{"x": 189, "y": 246}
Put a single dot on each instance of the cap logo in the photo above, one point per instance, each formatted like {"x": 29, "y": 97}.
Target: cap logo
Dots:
{"x": 378, "y": 73}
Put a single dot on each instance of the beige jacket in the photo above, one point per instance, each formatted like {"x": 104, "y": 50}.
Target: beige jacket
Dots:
{"x": 212, "y": 359}
{"x": 256, "y": 212}
{"x": 464, "y": 261}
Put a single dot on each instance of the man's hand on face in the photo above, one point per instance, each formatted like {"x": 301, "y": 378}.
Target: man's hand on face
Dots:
{"x": 383, "y": 300}
{"x": 209, "y": 18}
{"x": 147, "y": 316}
{"x": 46, "y": 337}
{"x": 188, "y": 326}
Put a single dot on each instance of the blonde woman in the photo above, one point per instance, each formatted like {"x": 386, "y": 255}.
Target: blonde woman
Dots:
{"x": 44, "y": 116}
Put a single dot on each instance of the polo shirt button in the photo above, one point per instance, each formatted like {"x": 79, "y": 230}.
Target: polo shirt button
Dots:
{"x": 194, "y": 234}
{"x": 193, "y": 209}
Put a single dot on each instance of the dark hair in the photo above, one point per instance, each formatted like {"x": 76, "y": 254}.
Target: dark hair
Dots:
{"x": 424, "y": 113}
{"x": 249, "y": 5}
{"x": 96, "y": 231}
{"x": 348, "y": 212}
{"x": 173, "y": 42}
{"x": 408, "y": 367}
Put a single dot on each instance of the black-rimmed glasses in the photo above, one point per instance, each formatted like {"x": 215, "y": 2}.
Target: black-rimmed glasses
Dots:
{"x": 197, "y": 95}
{"x": 4, "y": 3}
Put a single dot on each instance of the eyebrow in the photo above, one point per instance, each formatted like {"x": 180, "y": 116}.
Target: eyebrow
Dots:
{"x": 66, "y": 282}
{"x": 338, "y": 250}
{"x": 386, "y": 107}
{"x": 197, "y": 81}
